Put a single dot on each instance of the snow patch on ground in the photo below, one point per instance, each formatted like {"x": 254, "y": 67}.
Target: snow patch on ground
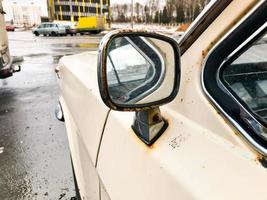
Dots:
{"x": 170, "y": 30}
{"x": 1, "y": 150}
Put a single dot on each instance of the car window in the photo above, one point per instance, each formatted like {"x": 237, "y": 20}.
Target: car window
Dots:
{"x": 246, "y": 77}
{"x": 50, "y": 25}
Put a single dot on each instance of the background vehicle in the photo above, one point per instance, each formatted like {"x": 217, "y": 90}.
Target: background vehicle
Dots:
{"x": 70, "y": 30}
{"x": 51, "y": 29}
{"x": 92, "y": 24}
{"x": 10, "y": 28}
{"x": 6, "y": 66}
{"x": 199, "y": 127}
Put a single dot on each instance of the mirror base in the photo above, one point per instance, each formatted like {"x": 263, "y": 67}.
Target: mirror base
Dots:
{"x": 149, "y": 125}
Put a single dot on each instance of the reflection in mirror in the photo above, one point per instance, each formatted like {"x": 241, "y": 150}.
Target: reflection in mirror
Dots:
{"x": 136, "y": 67}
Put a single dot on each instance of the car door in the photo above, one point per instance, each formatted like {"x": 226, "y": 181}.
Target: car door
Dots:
{"x": 200, "y": 155}
{"x": 41, "y": 29}
{"x": 85, "y": 116}
{"x": 56, "y": 28}
{"x": 49, "y": 28}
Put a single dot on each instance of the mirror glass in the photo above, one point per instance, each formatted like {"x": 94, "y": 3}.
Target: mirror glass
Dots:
{"x": 140, "y": 69}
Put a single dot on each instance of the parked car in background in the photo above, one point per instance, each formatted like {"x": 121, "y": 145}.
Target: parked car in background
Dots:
{"x": 70, "y": 30}
{"x": 49, "y": 29}
{"x": 194, "y": 120}
{"x": 10, "y": 28}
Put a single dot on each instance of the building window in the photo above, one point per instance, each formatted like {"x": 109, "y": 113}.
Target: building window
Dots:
{"x": 57, "y": 9}
{"x": 66, "y": 17}
{"x": 92, "y": 10}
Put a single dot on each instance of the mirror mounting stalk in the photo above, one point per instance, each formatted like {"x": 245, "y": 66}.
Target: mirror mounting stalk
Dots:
{"x": 149, "y": 125}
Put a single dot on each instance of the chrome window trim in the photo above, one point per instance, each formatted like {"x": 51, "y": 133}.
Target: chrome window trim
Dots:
{"x": 198, "y": 20}
{"x": 101, "y": 67}
{"x": 203, "y": 20}
{"x": 248, "y": 138}
{"x": 258, "y": 128}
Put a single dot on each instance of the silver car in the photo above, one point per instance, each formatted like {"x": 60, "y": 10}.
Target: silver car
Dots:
{"x": 51, "y": 29}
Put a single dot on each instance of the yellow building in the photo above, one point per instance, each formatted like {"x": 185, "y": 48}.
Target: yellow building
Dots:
{"x": 72, "y": 10}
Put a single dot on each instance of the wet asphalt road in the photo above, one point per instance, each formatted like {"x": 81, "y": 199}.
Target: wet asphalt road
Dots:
{"x": 34, "y": 155}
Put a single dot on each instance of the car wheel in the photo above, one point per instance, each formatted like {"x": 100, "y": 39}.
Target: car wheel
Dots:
{"x": 95, "y": 32}
{"x": 44, "y": 34}
{"x": 36, "y": 33}
{"x": 53, "y": 34}
{"x": 77, "y": 191}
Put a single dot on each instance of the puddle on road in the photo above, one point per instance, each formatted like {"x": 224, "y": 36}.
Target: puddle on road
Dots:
{"x": 37, "y": 55}
{"x": 38, "y": 167}
{"x": 61, "y": 50}
{"x": 82, "y": 45}
{"x": 1, "y": 150}
{"x": 57, "y": 50}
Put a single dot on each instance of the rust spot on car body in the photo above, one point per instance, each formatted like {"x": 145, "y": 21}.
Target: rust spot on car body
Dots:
{"x": 228, "y": 28}
{"x": 262, "y": 161}
{"x": 178, "y": 141}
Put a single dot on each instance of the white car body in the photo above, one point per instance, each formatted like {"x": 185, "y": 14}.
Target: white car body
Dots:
{"x": 5, "y": 58}
{"x": 201, "y": 155}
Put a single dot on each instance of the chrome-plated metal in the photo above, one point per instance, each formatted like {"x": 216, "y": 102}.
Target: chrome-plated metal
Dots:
{"x": 198, "y": 20}
{"x": 259, "y": 129}
{"x": 248, "y": 138}
{"x": 102, "y": 60}
{"x": 149, "y": 125}
{"x": 59, "y": 113}
{"x": 200, "y": 24}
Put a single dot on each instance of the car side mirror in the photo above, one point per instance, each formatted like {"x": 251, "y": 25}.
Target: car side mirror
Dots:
{"x": 139, "y": 71}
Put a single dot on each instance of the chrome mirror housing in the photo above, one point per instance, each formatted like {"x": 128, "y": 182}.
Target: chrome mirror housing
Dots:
{"x": 138, "y": 70}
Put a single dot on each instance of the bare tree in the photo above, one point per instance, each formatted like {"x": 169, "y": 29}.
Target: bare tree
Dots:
{"x": 174, "y": 11}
